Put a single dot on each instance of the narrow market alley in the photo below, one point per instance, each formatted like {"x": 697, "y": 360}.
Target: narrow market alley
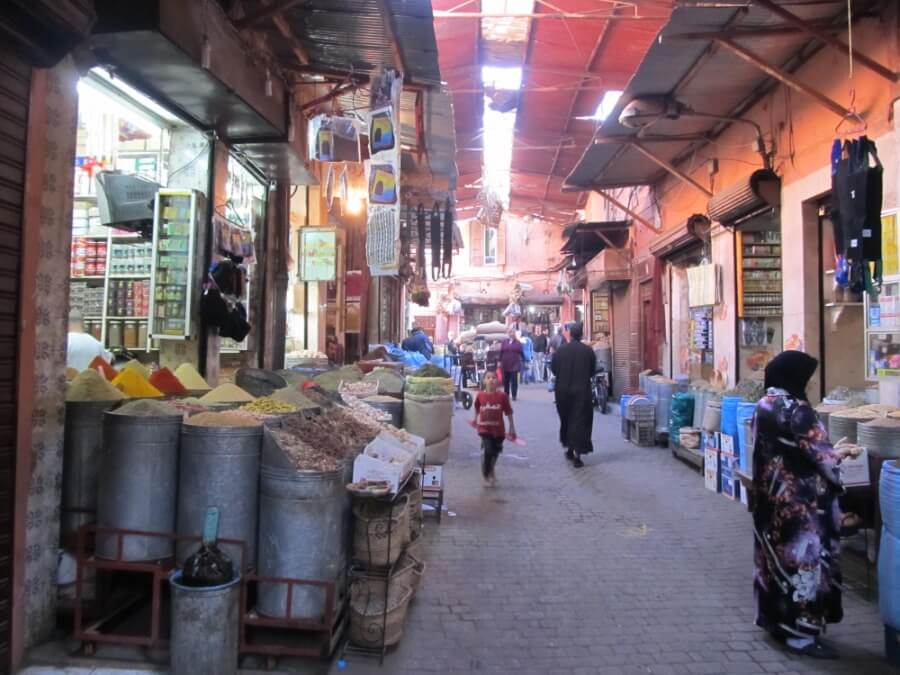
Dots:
{"x": 626, "y": 566}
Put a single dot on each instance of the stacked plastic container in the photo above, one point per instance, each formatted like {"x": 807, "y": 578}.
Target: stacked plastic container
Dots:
{"x": 889, "y": 558}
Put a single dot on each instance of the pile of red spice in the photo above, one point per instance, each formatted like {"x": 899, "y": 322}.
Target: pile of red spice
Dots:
{"x": 165, "y": 380}
{"x": 100, "y": 365}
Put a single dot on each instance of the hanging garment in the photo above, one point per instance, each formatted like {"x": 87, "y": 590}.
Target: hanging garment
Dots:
{"x": 435, "y": 242}
{"x": 447, "y": 266}
{"x": 872, "y": 177}
{"x": 420, "y": 245}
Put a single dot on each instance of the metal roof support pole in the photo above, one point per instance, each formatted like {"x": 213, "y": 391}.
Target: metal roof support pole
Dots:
{"x": 782, "y": 76}
{"x": 334, "y": 93}
{"x": 829, "y": 40}
{"x": 622, "y": 207}
{"x": 265, "y": 11}
{"x": 595, "y": 52}
{"x": 680, "y": 175}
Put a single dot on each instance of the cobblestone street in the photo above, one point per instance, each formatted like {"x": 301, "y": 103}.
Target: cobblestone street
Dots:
{"x": 626, "y": 566}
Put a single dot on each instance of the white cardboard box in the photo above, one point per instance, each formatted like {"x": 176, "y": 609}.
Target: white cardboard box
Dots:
{"x": 384, "y": 459}
{"x": 855, "y": 471}
{"x": 711, "y": 469}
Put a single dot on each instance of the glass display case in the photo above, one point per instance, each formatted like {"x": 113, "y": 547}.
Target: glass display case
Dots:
{"x": 172, "y": 279}
{"x": 883, "y": 332}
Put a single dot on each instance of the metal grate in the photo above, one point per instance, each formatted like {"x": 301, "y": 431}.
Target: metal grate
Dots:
{"x": 15, "y": 81}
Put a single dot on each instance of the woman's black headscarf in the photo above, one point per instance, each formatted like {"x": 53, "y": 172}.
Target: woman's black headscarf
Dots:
{"x": 791, "y": 371}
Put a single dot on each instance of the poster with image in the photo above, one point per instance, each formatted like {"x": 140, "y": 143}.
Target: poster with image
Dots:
{"x": 383, "y": 176}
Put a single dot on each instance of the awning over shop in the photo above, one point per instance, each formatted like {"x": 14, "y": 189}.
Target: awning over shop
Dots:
{"x": 158, "y": 47}
{"x": 610, "y": 265}
{"x": 583, "y": 241}
{"x": 703, "y": 73}
{"x": 336, "y": 46}
{"x": 690, "y": 233}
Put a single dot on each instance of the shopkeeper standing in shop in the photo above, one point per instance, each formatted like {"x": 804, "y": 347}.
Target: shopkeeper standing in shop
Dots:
{"x": 82, "y": 348}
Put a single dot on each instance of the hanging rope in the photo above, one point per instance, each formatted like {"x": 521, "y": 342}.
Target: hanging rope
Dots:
{"x": 850, "y": 37}
{"x": 447, "y": 267}
{"x": 436, "y": 242}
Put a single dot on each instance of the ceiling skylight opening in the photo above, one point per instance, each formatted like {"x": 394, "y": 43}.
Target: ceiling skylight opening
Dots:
{"x": 607, "y": 104}
{"x": 499, "y": 121}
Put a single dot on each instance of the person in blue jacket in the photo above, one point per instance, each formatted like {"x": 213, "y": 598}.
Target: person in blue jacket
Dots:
{"x": 418, "y": 342}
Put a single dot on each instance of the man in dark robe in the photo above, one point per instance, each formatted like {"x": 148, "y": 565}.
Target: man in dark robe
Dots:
{"x": 573, "y": 364}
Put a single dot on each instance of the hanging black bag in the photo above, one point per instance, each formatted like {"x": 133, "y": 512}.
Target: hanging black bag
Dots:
{"x": 436, "y": 242}
{"x": 447, "y": 266}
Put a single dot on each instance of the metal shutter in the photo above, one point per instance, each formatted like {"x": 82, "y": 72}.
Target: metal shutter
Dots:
{"x": 15, "y": 79}
{"x": 621, "y": 328}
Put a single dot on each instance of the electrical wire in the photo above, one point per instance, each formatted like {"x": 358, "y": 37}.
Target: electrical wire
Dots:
{"x": 188, "y": 164}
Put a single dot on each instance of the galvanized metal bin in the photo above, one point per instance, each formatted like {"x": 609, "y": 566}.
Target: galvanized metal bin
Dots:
{"x": 82, "y": 448}
{"x": 302, "y": 535}
{"x": 219, "y": 466}
{"x": 205, "y": 628}
{"x": 137, "y": 484}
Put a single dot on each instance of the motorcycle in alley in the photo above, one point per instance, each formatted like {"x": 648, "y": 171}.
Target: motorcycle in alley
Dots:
{"x": 600, "y": 389}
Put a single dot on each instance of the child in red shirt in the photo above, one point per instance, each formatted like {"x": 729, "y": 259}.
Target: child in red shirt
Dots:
{"x": 490, "y": 407}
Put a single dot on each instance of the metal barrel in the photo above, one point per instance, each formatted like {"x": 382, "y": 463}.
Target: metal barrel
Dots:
{"x": 82, "y": 448}
{"x": 137, "y": 484}
{"x": 205, "y": 628}
{"x": 390, "y": 405}
{"x": 302, "y": 522}
{"x": 219, "y": 466}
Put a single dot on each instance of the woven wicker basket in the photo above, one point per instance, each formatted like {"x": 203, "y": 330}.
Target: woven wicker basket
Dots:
{"x": 416, "y": 547}
{"x": 368, "y": 622}
{"x": 378, "y": 526}
{"x": 408, "y": 573}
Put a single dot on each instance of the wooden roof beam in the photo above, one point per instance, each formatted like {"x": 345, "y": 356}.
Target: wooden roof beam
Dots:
{"x": 782, "y": 76}
{"x": 625, "y": 209}
{"x": 672, "y": 169}
{"x": 827, "y": 38}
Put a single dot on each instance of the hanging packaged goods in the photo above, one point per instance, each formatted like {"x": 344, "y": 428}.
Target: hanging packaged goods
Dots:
{"x": 857, "y": 188}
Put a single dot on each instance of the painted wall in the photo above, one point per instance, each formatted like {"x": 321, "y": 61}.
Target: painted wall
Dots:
{"x": 802, "y": 131}
{"x": 47, "y": 223}
{"x": 532, "y": 249}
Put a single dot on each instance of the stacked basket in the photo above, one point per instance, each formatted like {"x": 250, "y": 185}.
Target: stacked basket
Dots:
{"x": 384, "y": 536}
{"x": 641, "y": 416}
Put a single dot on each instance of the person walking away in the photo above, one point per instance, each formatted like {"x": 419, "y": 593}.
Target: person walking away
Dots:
{"x": 418, "y": 342}
{"x": 557, "y": 340}
{"x": 511, "y": 363}
{"x": 527, "y": 358}
{"x": 540, "y": 344}
{"x": 490, "y": 407}
{"x": 796, "y": 517}
{"x": 573, "y": 366}
{"x": 82, "y": 348}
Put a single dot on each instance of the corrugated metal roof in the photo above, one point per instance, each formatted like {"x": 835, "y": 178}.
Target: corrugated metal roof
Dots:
{"x": 350, "y": 34}
{"x": 697, "y": 73}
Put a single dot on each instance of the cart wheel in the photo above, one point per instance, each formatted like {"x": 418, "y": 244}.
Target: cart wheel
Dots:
{"x": 466, "y": 400}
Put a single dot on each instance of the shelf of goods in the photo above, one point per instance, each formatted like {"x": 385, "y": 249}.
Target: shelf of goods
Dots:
{"x": 759, "y": 257}
{"x": 882, "y": 343}
{"x": 109, "y": 285}
{"x": 174, "y": 225}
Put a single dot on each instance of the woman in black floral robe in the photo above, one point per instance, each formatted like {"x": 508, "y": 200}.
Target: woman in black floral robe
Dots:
{"x": 796, "y": 517}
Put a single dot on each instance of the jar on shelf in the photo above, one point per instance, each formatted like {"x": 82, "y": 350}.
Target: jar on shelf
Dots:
{"x": 114, "y": 336}
{"x": 130, "y": 334}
